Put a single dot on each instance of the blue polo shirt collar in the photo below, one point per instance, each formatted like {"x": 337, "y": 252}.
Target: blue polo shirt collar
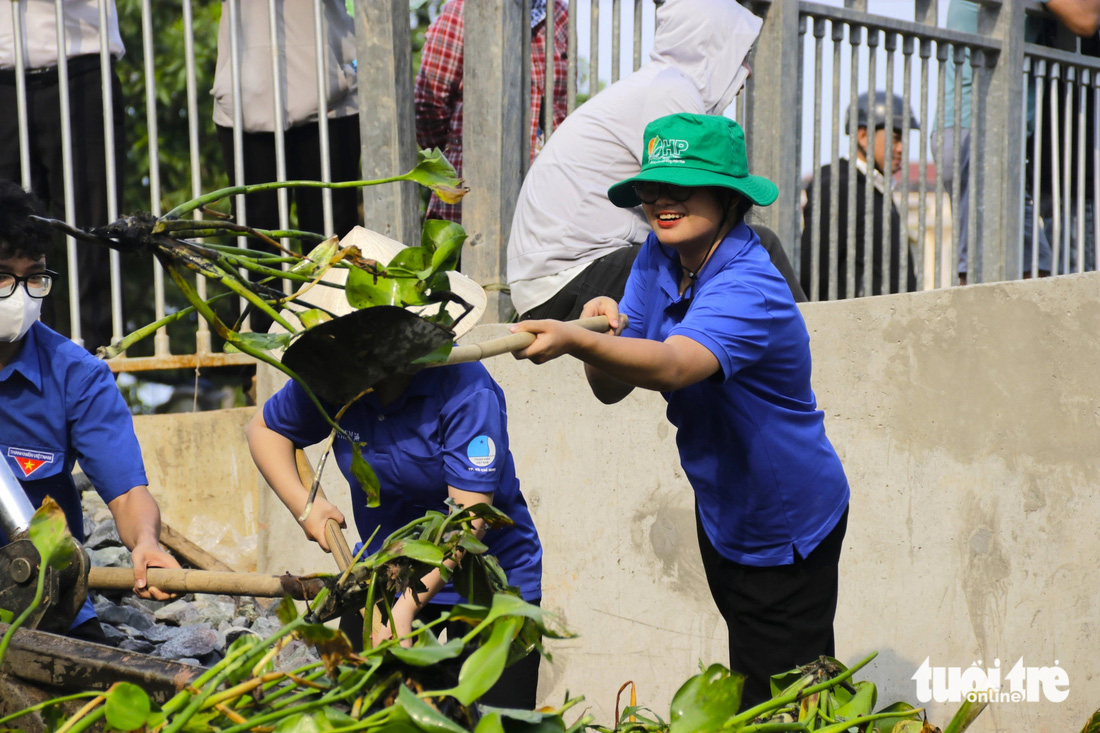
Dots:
{"x": 738, "y": 239}
{"x": 26, "y": 361}
{"x": 419, "y": 387}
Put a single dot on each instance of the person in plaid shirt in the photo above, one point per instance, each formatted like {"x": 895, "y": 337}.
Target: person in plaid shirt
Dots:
{"x": 438, "y": 94}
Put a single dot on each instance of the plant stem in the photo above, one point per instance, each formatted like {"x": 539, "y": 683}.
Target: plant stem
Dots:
{"x": 48, "y": 703}
{"x": 798, "y": 694}
{"x": 35, "y": 602}
{"x": 222, "y": 193}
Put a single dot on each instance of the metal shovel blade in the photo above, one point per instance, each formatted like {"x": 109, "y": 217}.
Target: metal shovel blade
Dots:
{"x": 341, "y": 358}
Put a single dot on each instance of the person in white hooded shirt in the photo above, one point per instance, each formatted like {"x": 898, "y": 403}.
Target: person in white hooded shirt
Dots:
{"x": 568, "y": 242}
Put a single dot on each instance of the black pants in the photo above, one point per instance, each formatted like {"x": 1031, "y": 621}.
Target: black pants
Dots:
{"x": 778, "y": 617}
{"x": 89, "y": 167}
{"x": 518, "y": 684}
{"x": 606, "y": 276}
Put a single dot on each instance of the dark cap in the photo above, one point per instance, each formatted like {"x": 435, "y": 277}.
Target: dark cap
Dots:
{"x": 880, "y": 112}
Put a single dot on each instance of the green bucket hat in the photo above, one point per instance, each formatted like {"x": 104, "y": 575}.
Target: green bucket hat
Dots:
{"x": 695, "y": 150}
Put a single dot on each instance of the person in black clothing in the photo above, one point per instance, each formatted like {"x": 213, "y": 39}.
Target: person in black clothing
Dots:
{"x": 881, "y": 144}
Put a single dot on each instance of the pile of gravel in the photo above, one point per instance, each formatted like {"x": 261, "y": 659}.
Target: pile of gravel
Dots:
{"x": 193, "y": 629}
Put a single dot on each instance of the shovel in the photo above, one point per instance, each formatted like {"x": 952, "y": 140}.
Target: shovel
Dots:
{"x": 342, "y": 358}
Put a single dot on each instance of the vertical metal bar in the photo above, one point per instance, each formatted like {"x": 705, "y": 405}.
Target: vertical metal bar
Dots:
{"x": 928, "y": 277}
{"x": 1095, "y": 152}
{"x": 1040, "y": 82}
{"x": 548, "y": 75}
{"x": 594, "y": 49}
{"x": 907, "y": 45}
{"x": 526, "y": 112}
{"x": 160, "y": 341}
{"x": 234, "y": 8}
{"x": 943, "y": 280}
{"x": 637, "y": 34}
{"x": 1082, "y": 103}
{"x": 18, "y": 28}
{"x": 890, "y": 46}
{"x": 959, "y": 56}
{"x": 1067, "y": 168}
{"x": 105, "y": 76}
{"x": 282, "y": 195}
{"x": 321, "y": 59}
{"x": 796, "y": 262}
{"x": 815, "y": 204}
{"x": 1056, "y": 164}
{"x": 67, "y": 170}
{"x": 571, "y": 78}
{"x": 868, "y": 213}
{"x": 834, "y": 179}
{"x": 976, "y": 254}
{"x": 616, "y": 38}
{"x": 855, "y": 36}
{"x": 202, "y": 335}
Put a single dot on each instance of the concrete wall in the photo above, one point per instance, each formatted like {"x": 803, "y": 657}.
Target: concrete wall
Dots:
{"x": 202, "y": 476}
{"x": 968, "y": 421}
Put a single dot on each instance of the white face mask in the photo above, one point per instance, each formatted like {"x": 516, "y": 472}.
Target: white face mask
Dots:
{"x": 18, "y": 312}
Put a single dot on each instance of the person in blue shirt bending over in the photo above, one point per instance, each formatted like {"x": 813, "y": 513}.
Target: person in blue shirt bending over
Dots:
{"x": 59, "y": 404}
{"x": 437, "y": 434}
{"x": 713, "y": 326}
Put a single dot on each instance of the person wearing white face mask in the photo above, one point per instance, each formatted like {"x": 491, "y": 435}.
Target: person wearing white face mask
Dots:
{"x": 59, "y": 404}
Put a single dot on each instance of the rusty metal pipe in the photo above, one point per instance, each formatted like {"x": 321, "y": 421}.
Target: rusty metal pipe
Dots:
{"x": 209, "y": 581}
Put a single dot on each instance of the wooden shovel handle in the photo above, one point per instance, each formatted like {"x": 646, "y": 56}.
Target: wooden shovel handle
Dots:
{"x": 334, "y": 534}
{"x": 516, "y": 341}
{"x": 172, "y": 580}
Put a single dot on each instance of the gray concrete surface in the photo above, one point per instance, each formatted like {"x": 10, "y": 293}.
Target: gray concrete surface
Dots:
{"x": 968, "y": 421}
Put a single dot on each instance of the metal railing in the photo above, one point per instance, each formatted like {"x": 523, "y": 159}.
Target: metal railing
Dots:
{"x": 812, "y": 58}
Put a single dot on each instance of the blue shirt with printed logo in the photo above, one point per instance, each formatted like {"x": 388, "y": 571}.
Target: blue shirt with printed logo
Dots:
{"x": 60, "y": 405}
{"x": 449, "y": 428}
{"x": 752, "y": 442}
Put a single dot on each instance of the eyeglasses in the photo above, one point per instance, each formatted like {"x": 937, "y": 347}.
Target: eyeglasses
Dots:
{"x": 650, "y": 191}
{"x": 37, "y": 285}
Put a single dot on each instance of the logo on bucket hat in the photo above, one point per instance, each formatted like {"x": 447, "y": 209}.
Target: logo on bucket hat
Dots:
{"x": 662, "y": 150}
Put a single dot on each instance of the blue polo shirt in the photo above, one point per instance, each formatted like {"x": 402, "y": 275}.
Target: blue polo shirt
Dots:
{"x": 60, "y": 405}
{"x": 449, "y": 428}
{"x": 751, "y": 439}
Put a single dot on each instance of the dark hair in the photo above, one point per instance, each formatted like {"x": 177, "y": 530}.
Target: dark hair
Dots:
{"x": 20, "y": 235}
{"x": 735, "y": 205}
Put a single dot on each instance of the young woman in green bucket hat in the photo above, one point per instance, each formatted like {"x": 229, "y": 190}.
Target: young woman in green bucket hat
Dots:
{"x": 713, "y": 326}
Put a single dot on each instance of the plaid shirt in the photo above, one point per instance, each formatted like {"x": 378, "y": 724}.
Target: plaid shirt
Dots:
{"x": 438, "y": 94}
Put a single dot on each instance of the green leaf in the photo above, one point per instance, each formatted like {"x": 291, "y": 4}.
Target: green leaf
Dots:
{"x": 49, "y": 534}
{"x": 411, "y": 259}
{"x": 470, "y": 543}
{"x": 262, "y": 341}
{"x": 707, "y": 700}
{"x": 483, "y": 668}
{"x": 318, "y": 257}
{"x": 424, "y": 715}
{"x": 432, "y": 170}
{"x": 313, "y": 317}
{"x": 436, "y": 357}
{"x": 444, "y": 239}
{"x": 331, "y": 644}
{"x": 287, "y": 611}
{"x": 862, "y": 703}
{"x": 365, "y": 475}
{"x": 299, "y": 723}
{"x": 964, "y": 716}
{"x": 365, "y": 290}
{"x": 428, "y": 654}
{"x": 6, "y": 616}
{"x": 127, "y": 706}
{"x": 526, "y": 721}
{"x": 489, "y": 723}
{"x": 903, "y": 714}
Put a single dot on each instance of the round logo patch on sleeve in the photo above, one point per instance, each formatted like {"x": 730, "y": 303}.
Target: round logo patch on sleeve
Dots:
{"x": 482, "y": 451}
